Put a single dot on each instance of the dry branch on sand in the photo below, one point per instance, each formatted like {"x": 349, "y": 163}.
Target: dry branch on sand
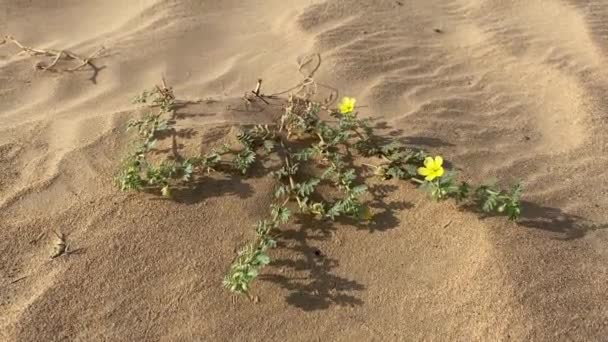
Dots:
{"x": 57, "y": 54}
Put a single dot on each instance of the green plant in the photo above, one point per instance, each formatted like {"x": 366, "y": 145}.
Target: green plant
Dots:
{"x": 312, "y": 153}
{"x": 315, "y": 176}
{"x": 159, "y": 96}
{"x": 245, "y": 268}
{"x": 445, "y": 187}
{"x": 398, "y": 161}
{"x": 136, "y": 172}
{"x": 129, "y": 177}
{"x": 244, "y": 160}
{"x": 492, "y": 199}
{"x": 441, "y": 185}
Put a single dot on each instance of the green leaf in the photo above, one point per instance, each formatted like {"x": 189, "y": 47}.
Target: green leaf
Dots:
{"x": 269, "y": 145}
{"x": 304, "y": 154}
{"x": 244, "y": 160}
{"x": 391, "y": 148}
{"x": 263, "y": 259}
{"x": 394, "y": 172}
{"x": 280, "y": 214}
{"x": 308, "y": 187}
{"x": 359, "y": 190}
{"x": 281, "y": 191}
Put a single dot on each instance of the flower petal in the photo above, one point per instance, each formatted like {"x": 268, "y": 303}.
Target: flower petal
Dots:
{"x": 430, "y": 177}
{"x": 423, "y": 171}
{"x": 428, "y": 162}
{"x": 439, "y": 172}
{"x": 438, "y": 161}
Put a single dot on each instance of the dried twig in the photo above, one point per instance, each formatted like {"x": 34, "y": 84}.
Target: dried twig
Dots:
{"x": 37, "y": 238}
{"x": 308, "y": 87}
{"x": 165, "y": 91}
{"x": 256, "y": 94}
{"x": 57, "y": 54}
{"x": 14, "y": 281}
{"x": 257, "y": 87}
{"x": 87, "y": 61}
{"x": 257, "y": 90}
{"x": 61, "y": 246}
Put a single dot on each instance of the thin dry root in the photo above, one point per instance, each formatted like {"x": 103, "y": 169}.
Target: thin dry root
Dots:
{"x": 58, "y": 54}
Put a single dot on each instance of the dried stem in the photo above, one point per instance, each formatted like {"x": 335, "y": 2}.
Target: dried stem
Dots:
{"x": 58, "y": 54}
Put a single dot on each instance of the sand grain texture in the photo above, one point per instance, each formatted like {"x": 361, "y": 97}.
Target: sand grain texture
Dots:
{"x": 514, "y": 90}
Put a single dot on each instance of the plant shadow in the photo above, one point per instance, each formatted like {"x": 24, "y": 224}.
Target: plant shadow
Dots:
{"x": 205, "y": 187}
{"x": 184, "y": 133}
{"x": 562, "y": 225}
{"x": 566, "y": 226}
{"x": 321, "y": 288}
{"x": 385, "y": 213}
{"x": 96, "y": 71}
{"x": 410, "y": 141}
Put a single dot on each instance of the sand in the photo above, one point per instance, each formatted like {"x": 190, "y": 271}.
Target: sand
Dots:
{"x": 512, "y": 90}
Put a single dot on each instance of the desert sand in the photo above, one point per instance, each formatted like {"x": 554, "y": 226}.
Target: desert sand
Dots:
{"x": 515, "y": 90}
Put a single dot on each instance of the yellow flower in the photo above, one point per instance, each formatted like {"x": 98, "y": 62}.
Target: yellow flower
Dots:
{"x": 432, "y": 168}
{"x": 347, "y": 105}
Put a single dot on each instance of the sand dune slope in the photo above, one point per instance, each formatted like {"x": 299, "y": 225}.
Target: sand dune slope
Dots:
{"x": 514, "y": 90}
